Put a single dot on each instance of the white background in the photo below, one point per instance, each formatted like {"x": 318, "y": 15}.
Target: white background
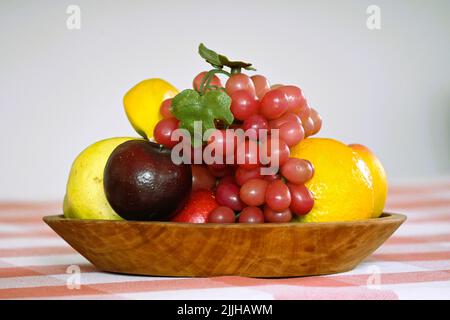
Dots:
{"x": 62, "y": 90}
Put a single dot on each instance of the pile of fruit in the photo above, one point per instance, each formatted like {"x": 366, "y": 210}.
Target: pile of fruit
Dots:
{"x": 275, "y": 172}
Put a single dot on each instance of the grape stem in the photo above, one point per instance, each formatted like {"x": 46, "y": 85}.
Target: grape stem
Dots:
{"x": 235, "y": 70}
{"x": 205, "y": 84}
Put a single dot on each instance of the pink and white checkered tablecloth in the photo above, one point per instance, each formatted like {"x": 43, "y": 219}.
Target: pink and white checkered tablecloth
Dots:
{"x": 413, "y": 264}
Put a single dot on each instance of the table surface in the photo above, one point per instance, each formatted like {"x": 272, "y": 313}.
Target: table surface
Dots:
{"x": 413, "y": 264}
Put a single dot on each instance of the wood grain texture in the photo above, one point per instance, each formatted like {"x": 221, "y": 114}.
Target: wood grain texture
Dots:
{"x": 204, "y": 250}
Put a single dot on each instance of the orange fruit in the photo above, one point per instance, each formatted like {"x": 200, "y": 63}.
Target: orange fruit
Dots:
{"x": 342, "y": 183}
{"x": 378, "y": 176}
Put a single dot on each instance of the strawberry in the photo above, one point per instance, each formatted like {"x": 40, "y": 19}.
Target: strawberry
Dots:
{"x": 197, "y": 207}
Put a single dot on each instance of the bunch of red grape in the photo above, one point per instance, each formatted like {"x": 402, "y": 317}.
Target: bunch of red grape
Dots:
{"x": 243, "y": 193}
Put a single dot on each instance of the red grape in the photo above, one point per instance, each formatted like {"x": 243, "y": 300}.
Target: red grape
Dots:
{"x": 217, "y": 166}
{"x": 308, "y": 126}
{"x": 255, "y": 123}
{"x": 248, "y": 155}
{"x": 251, "y": 215}
{"x": 199, "y": 78}
{"x": 297, "y": 171}
{"x": 220, "y": 170}
{"x": 302, "y": 200}
{"x": 239, "y": 81}
{"x": 276, "y": 216}
{"x": 202, "y": 178}
{"x": 292, "y": 133}
{"x": 296, "y": 101}
{"x": 221, "y": 215}
{"x": 196, "y": 153}
{"x": 227, "y": 179}
{"x": 274, "y": 104}
{"x": 304, "y": 112}
{"x": 163, "y": 132}
{"x": 165, "y": 109}
{"x": 243, "y": 104}
{"x": 243, "y": 175}
{"x": 275, "y": 149}
{"x": 227, "y": 194}
{"x": 288, "y": 116}
{"x": 272, "y": 177}
{"x": 278, "y": 196}
{"x": 223, "y": 143}
{"x": 317, "y": 120}
{"x": 276, "y": 86}
{"x": 253, "y": 192}
{"x": 262, "y": 85}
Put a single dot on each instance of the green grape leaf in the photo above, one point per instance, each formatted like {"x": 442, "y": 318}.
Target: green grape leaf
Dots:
{"x": 210, "y": 56}
{"x": 234, "y": 64}
{"x": 220, "y": 61}
{"x": 189, "y": 106}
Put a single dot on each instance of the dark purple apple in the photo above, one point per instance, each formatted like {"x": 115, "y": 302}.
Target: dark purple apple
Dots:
{"x": 142, "y": 183}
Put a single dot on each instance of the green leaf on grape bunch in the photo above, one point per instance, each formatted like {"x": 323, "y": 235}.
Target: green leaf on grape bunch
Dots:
{"x": 210, "y": 56}
{"x": 189, "y": 106}
{"x": 220, "y": 61}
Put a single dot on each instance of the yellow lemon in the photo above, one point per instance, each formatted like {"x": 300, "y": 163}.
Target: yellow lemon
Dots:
{"x": 142, "y": 104}
{"x": 342, "y": 183}
{"x": 380, "y": 184}
{"x": 85, "y": 197}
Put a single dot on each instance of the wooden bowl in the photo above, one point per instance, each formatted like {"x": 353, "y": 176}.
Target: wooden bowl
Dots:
{"x": 204, "y": 250}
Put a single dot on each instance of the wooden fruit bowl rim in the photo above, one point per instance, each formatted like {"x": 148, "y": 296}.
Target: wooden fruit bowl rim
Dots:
{"x": 252, "y": 250}
{"x": 386, "y": 217}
